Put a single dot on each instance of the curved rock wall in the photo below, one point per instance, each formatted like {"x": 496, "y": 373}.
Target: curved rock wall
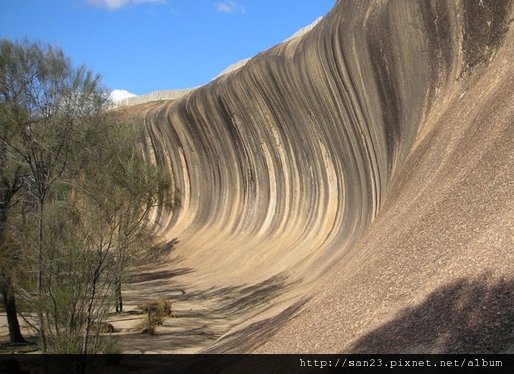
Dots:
{"x": 281, "y": 166}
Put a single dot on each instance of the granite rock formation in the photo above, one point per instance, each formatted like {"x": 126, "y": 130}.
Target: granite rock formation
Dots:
{"x": 351, "y": 189}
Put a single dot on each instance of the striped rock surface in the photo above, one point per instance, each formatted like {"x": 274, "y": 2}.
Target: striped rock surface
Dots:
{"x": 349, "y": 190}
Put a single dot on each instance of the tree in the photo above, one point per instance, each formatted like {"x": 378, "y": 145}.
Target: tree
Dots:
{"x": 77, "y": 194}
{"x": 10, "y": 184}
{"x": 122, "y": 188}
{"x": 44, "y": 100}
{"x": 77, "y": 279}
{"x": 107, "y": 204}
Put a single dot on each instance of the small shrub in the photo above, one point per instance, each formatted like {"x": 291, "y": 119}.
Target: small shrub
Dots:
{"x": 156, "y": 312}
{"x": 102, "y": 328}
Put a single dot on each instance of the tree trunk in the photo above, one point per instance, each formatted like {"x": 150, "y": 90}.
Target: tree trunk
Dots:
{"x": 10, "y": 309}
{"x": 119, "y": 299}
{"x": 6, "y": 287}
{"x": 42, "y": 328}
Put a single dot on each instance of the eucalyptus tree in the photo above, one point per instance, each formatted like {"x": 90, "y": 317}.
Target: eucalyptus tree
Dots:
{"x": 44, "y": 101}
{"x": 76, "y": 195}
{"x": 122, "y": 188}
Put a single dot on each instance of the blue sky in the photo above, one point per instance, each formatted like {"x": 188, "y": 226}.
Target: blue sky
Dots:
{"x": 148, "y": 45}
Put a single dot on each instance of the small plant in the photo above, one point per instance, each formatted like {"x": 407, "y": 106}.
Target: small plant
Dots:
{"x": 102, "y": 328}
{"x": 156, "y": 312}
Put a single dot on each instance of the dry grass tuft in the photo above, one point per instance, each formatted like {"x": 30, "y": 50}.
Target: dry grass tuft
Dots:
{"x": 156, "y": 312}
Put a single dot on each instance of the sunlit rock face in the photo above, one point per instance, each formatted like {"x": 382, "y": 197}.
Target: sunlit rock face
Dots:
{"x": 286, "y": 166}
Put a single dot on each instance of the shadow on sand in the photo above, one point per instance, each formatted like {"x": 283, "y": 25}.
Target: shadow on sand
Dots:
{"x": 202, "y": 316}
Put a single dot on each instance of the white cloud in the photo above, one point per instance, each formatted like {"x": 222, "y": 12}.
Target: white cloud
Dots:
{"x": 229, "y": 6}
{"x": 118, "y": 95}
{"x": 117, "y": 4}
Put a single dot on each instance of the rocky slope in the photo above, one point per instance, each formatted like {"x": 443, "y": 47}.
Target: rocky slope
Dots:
{"x": 348, "y": 190}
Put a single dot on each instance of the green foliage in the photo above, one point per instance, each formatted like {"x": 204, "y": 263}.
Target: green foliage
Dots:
{"x": 71, "y": 343}
{"x": 76, "y": 194}
{"x": 119, "y": 189}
